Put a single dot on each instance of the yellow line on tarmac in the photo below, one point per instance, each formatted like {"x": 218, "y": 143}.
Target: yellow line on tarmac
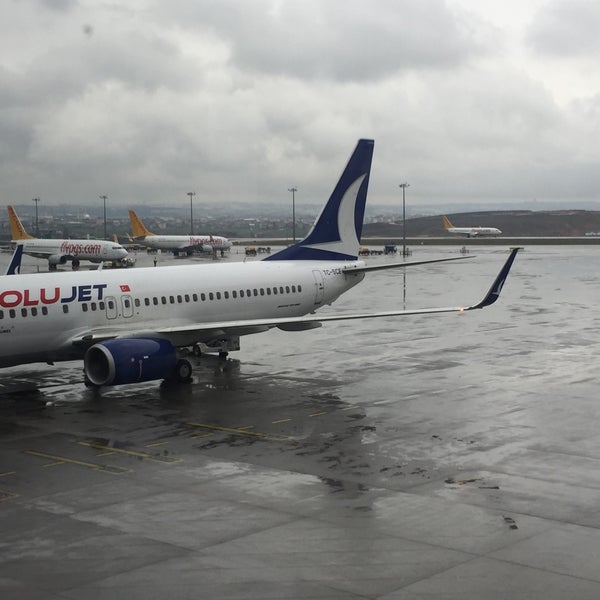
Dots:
{"x": 264, "y": 436}
{"x": 130, "y": 452}
{"x": 318, "y": 414}
{"x": 7, "y": 473}
{"x": 156, "y": 444}
{"x": 80, "y": 463}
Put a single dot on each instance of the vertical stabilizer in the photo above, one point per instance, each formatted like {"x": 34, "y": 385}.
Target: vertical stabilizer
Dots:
{"x": 137, "y": 227}
{"x": 17, "y": 231}
{"x": 14, "y": 268}
{"x": 447, "y": 224}
{"x": 337, "y": 230}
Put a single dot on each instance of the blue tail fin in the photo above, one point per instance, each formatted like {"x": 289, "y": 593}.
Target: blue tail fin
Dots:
{"x": 337, "y": 230}
{"x": 14, "y": 268}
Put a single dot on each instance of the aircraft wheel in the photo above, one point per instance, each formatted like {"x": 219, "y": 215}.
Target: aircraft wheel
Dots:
{"x": 183, "y": 370}
{"x": 223, "y": 355}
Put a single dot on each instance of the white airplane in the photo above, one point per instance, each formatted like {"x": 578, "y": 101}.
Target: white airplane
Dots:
{"x": 58, "y": 251}
{"x": 469, "y": 231}
{"x": 185, "y": 244}
{"x": 128, "y": 325}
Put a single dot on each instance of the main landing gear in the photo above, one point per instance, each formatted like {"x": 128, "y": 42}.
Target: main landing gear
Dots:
{"x": 220, "y": 347}
{"x": 198, "y": 351}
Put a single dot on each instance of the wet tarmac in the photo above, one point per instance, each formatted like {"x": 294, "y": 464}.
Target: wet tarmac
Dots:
{"x": 448, "y": 456}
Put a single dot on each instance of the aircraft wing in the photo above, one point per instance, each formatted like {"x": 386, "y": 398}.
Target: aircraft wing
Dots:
{"x": 185, "y": 334}
{"x": 194, "y": 247}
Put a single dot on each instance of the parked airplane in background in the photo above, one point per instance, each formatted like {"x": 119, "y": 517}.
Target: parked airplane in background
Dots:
{"x": 184, "y": 244}
{"x": 58, "y": 251}
{"x": 127, "y": 326}
{"x": 469, "y": 231}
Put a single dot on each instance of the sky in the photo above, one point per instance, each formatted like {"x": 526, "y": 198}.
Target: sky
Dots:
{"x": 473, "y": 101}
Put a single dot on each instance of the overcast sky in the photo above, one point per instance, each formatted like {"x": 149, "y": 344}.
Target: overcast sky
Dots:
{"x": 145, "y": 100}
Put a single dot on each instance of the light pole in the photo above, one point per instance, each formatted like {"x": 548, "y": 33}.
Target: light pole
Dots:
{"x": 404, "y": 186}
{"x": 37, "y": 229}
{"x": 191, "y": 195}
{"x": 103, "y": 198}
{"x": 293, "y": 190}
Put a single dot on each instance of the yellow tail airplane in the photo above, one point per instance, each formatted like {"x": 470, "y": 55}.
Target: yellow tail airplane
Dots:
{"x": 469, "y": 231}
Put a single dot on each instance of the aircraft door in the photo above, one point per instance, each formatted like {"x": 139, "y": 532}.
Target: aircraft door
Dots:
{"x": 111, "y": 307}
{"x": 319, "y": 287}
{"x": 127, "y": 306}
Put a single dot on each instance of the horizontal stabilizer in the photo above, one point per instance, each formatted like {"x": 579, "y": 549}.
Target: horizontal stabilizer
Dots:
{"x": 381, "y": 267}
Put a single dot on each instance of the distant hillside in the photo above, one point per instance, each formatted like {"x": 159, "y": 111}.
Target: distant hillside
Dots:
{"x": 513, "y": 223}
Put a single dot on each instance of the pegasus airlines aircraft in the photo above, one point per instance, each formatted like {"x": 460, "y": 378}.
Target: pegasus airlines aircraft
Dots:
{"x": 58, "y": 251}
{"x": 185, "y": 244}
{"x": 128, "y": 327}
{"x": 469, "y": 231}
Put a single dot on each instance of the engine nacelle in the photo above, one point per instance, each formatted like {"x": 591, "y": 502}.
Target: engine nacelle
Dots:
{"x": 57, "y": 259}
{"x": 129, "y": 360}
{"x": 207, "y": 248}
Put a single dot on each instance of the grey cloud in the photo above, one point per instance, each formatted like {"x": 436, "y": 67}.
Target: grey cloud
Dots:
{"x": 345, "y": 41}
{"x": 59, "y": 5}
{"x": 566, "y": 28}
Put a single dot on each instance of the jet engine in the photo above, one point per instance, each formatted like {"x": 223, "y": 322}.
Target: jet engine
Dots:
{"x": 207, "y": 248}
{"x": 57, "y": 259}
{"x": 132, "y": 360}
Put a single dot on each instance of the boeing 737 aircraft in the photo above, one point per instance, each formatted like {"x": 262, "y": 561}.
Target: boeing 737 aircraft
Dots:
{"x": 58, "y": 251}
{"x": 185, "y": 244}
{"x": 469, "y": 231}
{"x": 127, "y": 326}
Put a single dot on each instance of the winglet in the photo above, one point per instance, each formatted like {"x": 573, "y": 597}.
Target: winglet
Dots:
{"x": 137, "y": 227}
{"x": 494, "y": 292}
{"x": 14, "y": 268}
{"x": 17, "y": 231}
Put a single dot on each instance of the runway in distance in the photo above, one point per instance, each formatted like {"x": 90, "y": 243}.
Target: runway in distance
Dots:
{"x": 60, "y": 251}
{"x": 128, "y": 326}
{"x": 178, "y": 244}
{"x": 469, "y": 231}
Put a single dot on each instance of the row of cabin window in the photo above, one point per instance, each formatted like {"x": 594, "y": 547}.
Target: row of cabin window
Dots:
{"x": 34, "y": 311}
{"x": 93, "y": 306}
{"x": 12, "y": 313}
{"x": 248, "y": 293}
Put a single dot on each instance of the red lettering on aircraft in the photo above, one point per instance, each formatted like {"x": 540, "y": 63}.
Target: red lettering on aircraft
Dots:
{"x": 81, "y": 293}
{"x": 75, "y": 249}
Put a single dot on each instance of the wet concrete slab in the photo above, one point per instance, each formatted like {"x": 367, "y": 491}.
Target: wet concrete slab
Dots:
{"x": 452, "y": 456}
